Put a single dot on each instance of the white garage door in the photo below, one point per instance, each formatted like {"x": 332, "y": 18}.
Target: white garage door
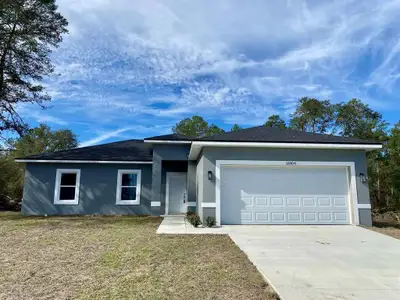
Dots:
{"x": 284, "y": 195}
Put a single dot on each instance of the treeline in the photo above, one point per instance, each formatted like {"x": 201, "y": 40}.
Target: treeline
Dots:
{"x": 34, "y": 141}
{"x": 350, "y": 119}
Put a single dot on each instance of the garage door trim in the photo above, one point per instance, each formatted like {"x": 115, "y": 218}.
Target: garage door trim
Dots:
{"x": 352, "y": 197}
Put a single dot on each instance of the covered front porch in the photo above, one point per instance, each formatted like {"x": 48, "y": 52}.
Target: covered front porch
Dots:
{"x": 173, "y": 181}
{"x": 174, "y": 188}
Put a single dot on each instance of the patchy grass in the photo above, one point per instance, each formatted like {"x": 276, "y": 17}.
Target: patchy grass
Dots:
{"x": 119, "y": 258}
{"x": 387, "y": 228}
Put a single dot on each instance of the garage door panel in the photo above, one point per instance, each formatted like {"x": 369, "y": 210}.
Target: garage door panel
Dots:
{"x": 277, "y": 201}
{"x": 256, "y": 217}
{"x": 339, "y": 201}
{"x": 293, "y": 201}
{"x": 294, "y": 217}
{"x": 309, "y": 201}
{"x": 261, "y": 216}
{"x": 324, "y": 201}
{"x": 261, "y": 202}
{"x": 247, "y": 196}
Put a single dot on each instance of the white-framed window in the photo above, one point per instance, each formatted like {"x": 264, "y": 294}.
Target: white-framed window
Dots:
{"x": 128, "y": 187}
{"x": 67, "y": 186}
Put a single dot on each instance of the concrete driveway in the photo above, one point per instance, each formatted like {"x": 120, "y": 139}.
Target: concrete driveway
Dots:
{"x": 323, "y": 262}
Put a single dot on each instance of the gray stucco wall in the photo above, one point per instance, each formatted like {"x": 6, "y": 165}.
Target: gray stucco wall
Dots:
{"x": 199, "y": 185}
{"x": 365, "y": 216}
{"x": 191, "y": 184}
{"x": 210, "y": 155}
{"x": 171, "y": 151}
{"x": 97, "y": 195}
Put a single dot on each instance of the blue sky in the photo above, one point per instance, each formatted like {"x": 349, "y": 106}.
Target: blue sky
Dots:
{"x": 132, "y": 69}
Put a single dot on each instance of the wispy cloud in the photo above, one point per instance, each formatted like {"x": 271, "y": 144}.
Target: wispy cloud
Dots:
{"x": 103, "y": 137}
{"x": 153, "y": 62}
{"x": 130, "y": 132}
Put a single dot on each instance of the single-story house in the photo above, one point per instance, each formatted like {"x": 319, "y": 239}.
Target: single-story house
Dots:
{"x": 258, "y": 175}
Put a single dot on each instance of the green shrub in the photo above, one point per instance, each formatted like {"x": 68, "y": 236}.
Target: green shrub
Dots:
{"x": 190, "y": 213}
{"x": 194, "y": 220}
{"x": 210, "y": 221}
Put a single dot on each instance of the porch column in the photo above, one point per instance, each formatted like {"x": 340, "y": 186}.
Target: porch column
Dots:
{"x": 156, "y": 209}
{"x": 191, "y": 186}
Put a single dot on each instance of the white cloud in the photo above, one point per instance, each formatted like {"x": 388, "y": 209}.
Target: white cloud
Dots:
{"x": 130, "y": 132}
{"x": 103, "y": 137}
{"x": 222, "y": 58}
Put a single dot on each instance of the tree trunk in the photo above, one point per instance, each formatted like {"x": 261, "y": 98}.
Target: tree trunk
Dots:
{"x": 378, "y": 185}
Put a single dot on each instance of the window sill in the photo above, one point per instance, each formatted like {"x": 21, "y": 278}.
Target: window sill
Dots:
{"x": 128, "y": 203}
{"x": 67, "y": 202}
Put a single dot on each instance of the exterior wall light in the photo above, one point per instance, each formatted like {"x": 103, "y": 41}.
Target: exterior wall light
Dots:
{"x": 210, "y": 175}
{"x": 363, "y": 178}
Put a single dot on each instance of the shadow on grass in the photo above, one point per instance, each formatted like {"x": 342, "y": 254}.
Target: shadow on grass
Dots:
{"x": 386, "y": 224}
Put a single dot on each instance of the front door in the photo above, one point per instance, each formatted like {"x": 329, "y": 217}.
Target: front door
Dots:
{"x": 176, "y": 193}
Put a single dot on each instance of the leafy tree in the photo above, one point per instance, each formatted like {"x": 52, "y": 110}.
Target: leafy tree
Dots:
{"x": 193, "y": 127}
{"x": 393, "y": 149}
{"x": 36, "y": 140}
{"x": 275, "y": 121}
{"x": 43, "y": 139}
{"x": 29, "y": 29}
{"x": 313, "y": 115}
{"x": 356, "y": 119}
{"x": 236, "y": 127}
{"x": 196, "y": 127}
{"x": 214, "y": 130}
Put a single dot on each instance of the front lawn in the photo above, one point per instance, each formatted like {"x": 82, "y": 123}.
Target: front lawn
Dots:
{"x": 389, "y": 229}
{"x": 119, "y": 258}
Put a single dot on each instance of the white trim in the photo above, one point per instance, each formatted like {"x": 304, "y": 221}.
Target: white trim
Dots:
{"x": 353, "y": 195}
{"x": 364, "y": 206}
{"x": 59, "y": 172}
{"x": 155, "y": 203}
{"x": 290, "y": 145}
{"x": 168, "y": 175}
{"x": 167, "y": 142}
{"x": 196, "y": 147}
{"x": 353, "y": 208}
{"x": 209, "y": 204}
{"x": 118, "y": 200}
{"x": 191, "y": 204}
{"x": 81, "y": 161}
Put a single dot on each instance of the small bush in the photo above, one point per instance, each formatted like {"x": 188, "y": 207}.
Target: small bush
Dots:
{"x": 190, "y": 213}
{"x": 210, "y": 221}
{"x": 194, "y": 220}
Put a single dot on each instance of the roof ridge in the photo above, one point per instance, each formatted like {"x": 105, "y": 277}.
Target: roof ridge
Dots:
{"x": 174, "y": 134}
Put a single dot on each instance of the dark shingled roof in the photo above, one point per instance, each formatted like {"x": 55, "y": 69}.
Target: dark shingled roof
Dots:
{"x": 138, "y": 150}
{"x": 131, "y": 150}
{"x": 170, "y": 137}
{"x": 276, "y": 135}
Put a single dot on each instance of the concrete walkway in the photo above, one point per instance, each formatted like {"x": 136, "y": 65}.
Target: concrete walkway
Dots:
{"x": 179, "y": 225}
{"x": 314, "y": 262}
